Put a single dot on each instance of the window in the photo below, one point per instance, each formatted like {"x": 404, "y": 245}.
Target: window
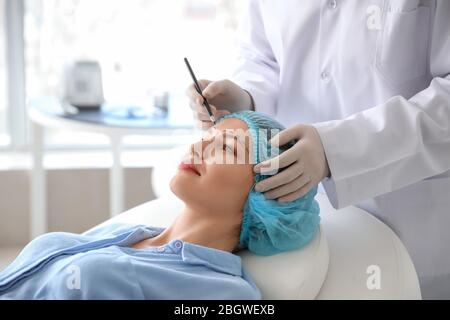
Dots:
{"x": 139, "y": 43}
{"x": 4, "y": 137}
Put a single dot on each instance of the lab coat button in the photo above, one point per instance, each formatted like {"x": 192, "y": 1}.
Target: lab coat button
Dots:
{"x": 332, "y": 4}
{"x": 325, "y": 76}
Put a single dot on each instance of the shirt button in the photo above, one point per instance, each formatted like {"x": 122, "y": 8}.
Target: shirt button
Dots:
{"x": 332, "y": 4}
{"x": 325, "y": 76}
{"x": 161, "y": 249}
{"x": 178, "y": 244}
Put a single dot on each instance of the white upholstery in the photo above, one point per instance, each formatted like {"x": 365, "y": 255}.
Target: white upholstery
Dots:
{"x": 332, "y": 266}
{"x": 297, "y": 274}
{"x": 356, "y": 241}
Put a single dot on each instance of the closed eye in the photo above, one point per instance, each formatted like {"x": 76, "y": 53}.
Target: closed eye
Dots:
{"x": 229, "y": 148}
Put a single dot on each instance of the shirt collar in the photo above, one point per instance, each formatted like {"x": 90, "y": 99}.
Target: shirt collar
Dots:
{"x": 215, "y": 259}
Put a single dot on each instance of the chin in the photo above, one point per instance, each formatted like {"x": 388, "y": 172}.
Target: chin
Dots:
{"x": 182, "y": 187}
{"x": 190, "y": 192}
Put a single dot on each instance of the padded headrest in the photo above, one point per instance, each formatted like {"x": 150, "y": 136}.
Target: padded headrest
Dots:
{"x": 296, "y": 274}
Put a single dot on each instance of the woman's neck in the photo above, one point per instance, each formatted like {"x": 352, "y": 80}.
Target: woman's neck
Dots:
{"x": 218, "y": 230}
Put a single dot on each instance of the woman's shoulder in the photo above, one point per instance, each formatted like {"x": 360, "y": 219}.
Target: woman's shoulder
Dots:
{"x": 55, "y": 241}
{"x": 111, "y": 229}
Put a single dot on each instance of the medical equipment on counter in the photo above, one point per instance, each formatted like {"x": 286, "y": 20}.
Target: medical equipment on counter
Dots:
{"x": 82, "y": 85}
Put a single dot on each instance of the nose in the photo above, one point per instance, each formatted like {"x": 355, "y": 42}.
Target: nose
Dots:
{"x": 196, "y": 152}
{"x": 198, "y": 148}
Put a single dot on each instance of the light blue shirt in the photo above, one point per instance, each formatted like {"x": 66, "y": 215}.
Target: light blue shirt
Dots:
{"x": 101, "y": 264}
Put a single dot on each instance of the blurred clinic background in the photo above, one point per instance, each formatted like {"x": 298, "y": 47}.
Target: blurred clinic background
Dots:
{"x": 59, "y": 168}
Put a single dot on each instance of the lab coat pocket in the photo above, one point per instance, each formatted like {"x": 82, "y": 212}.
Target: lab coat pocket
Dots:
{"x": 402, "y": 50}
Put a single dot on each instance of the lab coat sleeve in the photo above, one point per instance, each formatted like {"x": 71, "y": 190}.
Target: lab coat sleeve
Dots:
{"x": 257, "y": 70}
{"x": 397, "y": 143}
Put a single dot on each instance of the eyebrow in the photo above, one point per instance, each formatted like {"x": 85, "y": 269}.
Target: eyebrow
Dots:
{"x": 229, "y": 134}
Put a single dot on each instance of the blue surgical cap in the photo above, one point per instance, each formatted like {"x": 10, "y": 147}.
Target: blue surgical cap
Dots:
{"x": 268, "y": 226}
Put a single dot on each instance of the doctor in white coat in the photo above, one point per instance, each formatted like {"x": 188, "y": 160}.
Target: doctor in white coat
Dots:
{"x": 364, "y": 85}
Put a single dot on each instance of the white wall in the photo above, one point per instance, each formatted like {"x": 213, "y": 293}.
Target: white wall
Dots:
{"x": 77, "y": 199}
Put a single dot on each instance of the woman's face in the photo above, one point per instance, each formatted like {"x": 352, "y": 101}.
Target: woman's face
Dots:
{"x": 217, "y": 172}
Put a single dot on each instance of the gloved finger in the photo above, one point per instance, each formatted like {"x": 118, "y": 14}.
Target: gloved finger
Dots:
{"x": 199, "y": 114}
{"x": 204, "y": 116}
{"x": 286, "y": 135}
{"x": 197, "y": 106}
{"x": 192, "y": 93}
{"x": 285, "y": 176}
{"x": 297, "y": 194}
{"x": 288, "y": 188}
{"x": 206, "y": 125}
{"x": 283, "y": 160}
{"x": 203, "y": 125}
{"x": 217, "y": 113}
{"x": 213, "y": 89}
{"x": 203, "y": 83}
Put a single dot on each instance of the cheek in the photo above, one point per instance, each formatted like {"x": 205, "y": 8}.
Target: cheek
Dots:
{"x": 228, "y": 184}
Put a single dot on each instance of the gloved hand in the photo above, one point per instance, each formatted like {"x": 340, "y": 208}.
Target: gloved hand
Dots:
{"x": 305, "y": 165}
{"x": 223, "y": 96}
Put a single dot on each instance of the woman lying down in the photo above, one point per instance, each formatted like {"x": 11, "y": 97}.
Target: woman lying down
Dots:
{"x": 194, "y": 257}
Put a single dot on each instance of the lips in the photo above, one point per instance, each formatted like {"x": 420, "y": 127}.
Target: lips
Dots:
{"x": 189, "y": 166}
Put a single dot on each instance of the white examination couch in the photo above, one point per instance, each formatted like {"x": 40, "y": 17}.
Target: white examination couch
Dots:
{"x": 353, "y": 256}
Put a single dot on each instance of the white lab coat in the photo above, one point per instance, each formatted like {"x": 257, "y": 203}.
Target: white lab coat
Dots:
{"x": 373, "y": 76}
